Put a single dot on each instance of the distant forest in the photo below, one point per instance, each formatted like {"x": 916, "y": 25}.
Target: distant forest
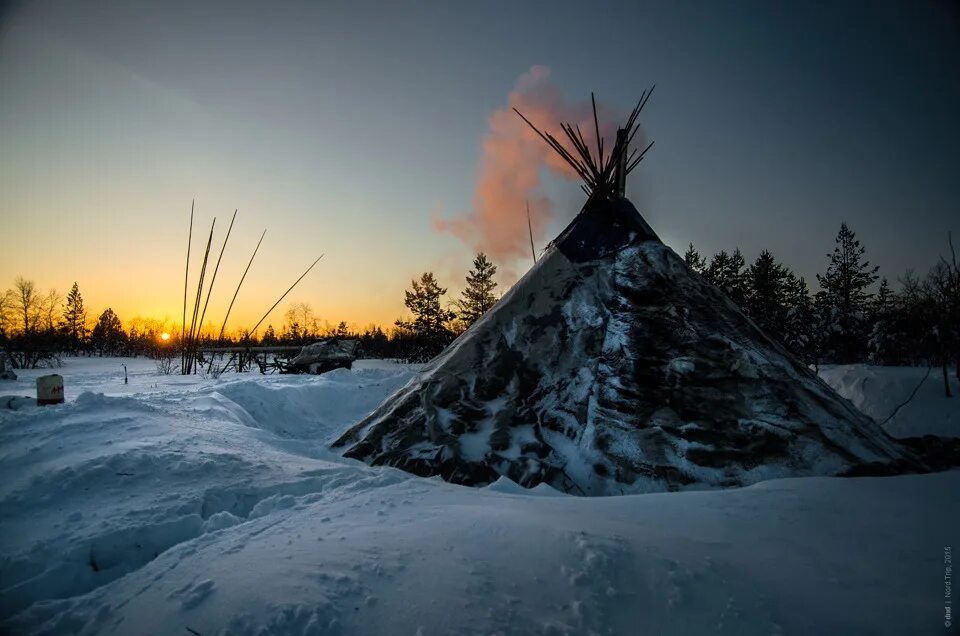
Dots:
{"x": 856, "y": 316}
{"x": 851, "y": 319}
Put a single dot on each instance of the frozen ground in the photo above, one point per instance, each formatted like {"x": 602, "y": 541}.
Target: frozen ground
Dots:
{"x": 179, "y": 506}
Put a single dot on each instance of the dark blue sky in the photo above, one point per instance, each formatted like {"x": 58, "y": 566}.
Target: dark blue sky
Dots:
{"x": 359, "y": 122}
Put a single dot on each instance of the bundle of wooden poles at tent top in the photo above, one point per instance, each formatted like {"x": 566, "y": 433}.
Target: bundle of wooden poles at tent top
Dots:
{"x": 190, "y": 337}
{"x": 603, "y": 175}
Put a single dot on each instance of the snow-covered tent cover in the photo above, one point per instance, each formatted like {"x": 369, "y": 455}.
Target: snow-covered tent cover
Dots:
{"x": 611, "y": 367}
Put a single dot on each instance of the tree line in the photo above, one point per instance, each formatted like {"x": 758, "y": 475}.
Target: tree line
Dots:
{"x": 849, "y": 319}
{"x": 37, "y": 328}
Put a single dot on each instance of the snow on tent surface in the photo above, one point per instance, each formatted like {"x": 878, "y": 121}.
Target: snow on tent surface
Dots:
{"x": 612, "y": 368}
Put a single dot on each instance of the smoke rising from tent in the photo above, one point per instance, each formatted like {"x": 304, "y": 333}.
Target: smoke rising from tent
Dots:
{"x": 511, "y": 165}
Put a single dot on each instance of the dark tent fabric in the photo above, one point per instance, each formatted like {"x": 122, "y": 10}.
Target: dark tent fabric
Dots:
{"x": 610, "y": 368}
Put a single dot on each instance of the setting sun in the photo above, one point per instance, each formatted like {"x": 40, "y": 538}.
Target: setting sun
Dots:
{"x": 164, "y": 336}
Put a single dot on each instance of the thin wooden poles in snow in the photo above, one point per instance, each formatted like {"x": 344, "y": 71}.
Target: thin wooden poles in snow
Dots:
{"x": 190, "y": 338}
{"x": 237, "y": 291}
{"x": 272, "y": 307}
{"x": 186, "y": 278}
{"x": 187, "y": 347}
{"x": 533, "y": 252}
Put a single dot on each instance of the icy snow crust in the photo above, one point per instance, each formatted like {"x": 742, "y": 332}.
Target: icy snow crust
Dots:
{"x": 618, "y": 371}
{"x": 175, "y": 503}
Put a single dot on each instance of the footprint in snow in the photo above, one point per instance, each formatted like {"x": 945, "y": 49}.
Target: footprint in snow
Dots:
{"x": 192, "y": 594}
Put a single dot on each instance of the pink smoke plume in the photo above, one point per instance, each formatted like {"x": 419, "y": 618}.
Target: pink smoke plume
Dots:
{"x": 513, "y": 158}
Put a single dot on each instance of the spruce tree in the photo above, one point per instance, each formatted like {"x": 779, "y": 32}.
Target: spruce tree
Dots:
{"x": 726, "y": 271}
{"x": 693, "y": 259}
{"x": 269, "y": 336}
{"x": 846, "y": 303}
{"x": 799, "y": 335}
{"x": 74, "y": 320}
{"x": 478, "y": 295}
{"x": 107, "y": 336}
{"x": 766, "y": 295}
{"x": 429, "y": 317}
{"x": 881, "y": 346}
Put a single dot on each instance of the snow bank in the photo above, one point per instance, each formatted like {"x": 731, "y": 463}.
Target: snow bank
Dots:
{"x": 878, "y": 391}
{"x": 216, "y": 508}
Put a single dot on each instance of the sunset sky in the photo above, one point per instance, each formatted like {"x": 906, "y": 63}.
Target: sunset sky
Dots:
{"x": 376, "y": 133}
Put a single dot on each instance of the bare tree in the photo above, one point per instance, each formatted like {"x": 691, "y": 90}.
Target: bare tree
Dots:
{"x": 6, "y": 309}
{"x": 27, "y": 303}
{"x": 301, "y": 322}
{"x": 942, "y": 292}
{"x": 29, "y": 341}
{"x": 49, "y": 308}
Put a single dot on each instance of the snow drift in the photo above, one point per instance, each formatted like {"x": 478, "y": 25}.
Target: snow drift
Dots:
{"x": 180, "y": 505}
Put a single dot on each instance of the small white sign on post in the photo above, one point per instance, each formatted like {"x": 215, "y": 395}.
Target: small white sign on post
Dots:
{"x": 49, "y": 389}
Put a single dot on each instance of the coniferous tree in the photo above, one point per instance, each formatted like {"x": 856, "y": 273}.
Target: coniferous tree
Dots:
{"x": 477, "y": 297}
{"x": 881, "y": 346}
{"x": 429, "y": 325}
{"x": 107, "y": 336}
{"x": 423, "y": 299}
{"x": 693, "y": 260}
{"x": 717, "y": 268}
{"x": 726, "y": 271}
{"x": 74, "y": 320}
{"x": 766, "y": 295}
{"x": 269, "y": 337}
{"x": 374, "y": 342}
{"x": 799, "y": 337}
{"x": 846, "y": 304}
{"x": 294, "y": 333}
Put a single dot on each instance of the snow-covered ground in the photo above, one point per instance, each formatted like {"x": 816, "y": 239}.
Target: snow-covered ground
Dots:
{"x": 879, "y": 391}
{"x": 180, "y": 505}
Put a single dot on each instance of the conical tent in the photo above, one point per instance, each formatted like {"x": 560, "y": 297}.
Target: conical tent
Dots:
{"x": 611, "y": 367}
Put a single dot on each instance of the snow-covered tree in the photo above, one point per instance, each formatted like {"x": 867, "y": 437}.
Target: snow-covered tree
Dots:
{"x": 846, "y": 304}
{"x": 478, "y": 296}
{"x": 882, "y": 344}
